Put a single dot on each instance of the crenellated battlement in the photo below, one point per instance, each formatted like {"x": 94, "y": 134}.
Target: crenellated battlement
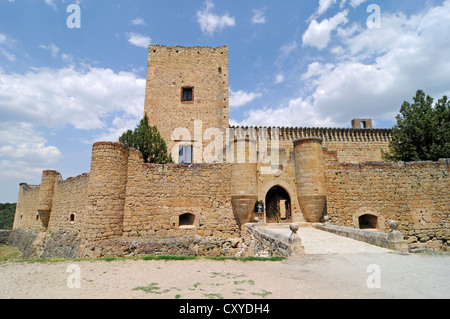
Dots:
{"x": 327, "y": 134}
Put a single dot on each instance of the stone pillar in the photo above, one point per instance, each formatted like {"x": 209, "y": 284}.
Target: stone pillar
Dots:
{"x": 46, "y": 191}
{"x": 106, "y": 191}
{"x": 244, "y": 180}
{"x": 310, "y": 178}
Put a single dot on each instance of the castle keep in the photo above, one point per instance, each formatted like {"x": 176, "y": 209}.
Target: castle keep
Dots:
{"x": 200, "y": 204}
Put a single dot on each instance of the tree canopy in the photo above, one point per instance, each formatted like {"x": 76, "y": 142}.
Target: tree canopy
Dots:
{"x": 422, "y": 131}
{"x": 148, "y": 141}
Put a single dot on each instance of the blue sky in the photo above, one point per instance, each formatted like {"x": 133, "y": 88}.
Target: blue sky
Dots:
{"x": 292, "y": 63}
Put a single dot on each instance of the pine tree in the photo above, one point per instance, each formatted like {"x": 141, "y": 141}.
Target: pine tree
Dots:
{"x": 148, "y": 141}
{"x": 422, "y": 131}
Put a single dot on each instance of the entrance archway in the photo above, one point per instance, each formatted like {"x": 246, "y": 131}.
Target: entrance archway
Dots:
{"x": 278, "y": 205}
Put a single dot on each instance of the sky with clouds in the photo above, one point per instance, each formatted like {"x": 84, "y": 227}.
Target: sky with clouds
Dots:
{"x": 292, "y": 63}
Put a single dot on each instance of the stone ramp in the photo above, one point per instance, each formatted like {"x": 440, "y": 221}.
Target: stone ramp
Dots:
{"x": 317, "y": 241}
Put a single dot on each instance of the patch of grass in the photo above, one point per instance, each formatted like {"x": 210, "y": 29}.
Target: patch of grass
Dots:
{"x": 8, "y": 253}
{"x": 152, "y": 289}
{"x": 169, "y": 257}
{"x": 263, "y": 294}
{"x": 247, "y": 258}
{"x": 250, "y": 282}
{"x": 227, "y": 275}
{"x": 213, "y": 296}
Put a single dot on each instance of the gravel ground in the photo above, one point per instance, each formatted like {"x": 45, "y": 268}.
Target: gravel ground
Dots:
{"x": 366, "y": 275}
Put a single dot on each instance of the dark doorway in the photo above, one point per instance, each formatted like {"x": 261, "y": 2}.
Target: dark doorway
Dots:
{"x": 368, "y": 221}
{"x": 278, "y": 205}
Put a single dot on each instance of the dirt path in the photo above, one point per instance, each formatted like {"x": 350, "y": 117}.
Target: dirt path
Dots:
{"x": 310, "y": 276}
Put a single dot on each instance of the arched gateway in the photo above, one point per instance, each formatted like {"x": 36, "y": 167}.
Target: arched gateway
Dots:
{"x": 278, "y": 205}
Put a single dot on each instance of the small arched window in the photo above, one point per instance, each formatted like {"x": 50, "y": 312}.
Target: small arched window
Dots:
{"x": 72, "y": 218}
{"x": 186, "y": 220}
{"x": 368, "y": 221}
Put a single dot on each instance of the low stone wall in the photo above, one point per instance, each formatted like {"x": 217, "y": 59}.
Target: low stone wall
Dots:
{"x": 4, "y": 235}
{"x": 262, "y": 242}
{"x": 168, "y": 245}
{"x": 36, "y": 244}
{"x": 371, "y": 237}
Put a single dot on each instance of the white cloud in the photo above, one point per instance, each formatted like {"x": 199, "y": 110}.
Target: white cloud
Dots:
{"x": 53, "y": 49}
{"x": 55, "y": 98}
{"x": 286, "y": 50}
{"x": 139, "y": 40}
{"x": 279, "y": 78}
{"x": 319, "y": 34}
{"x": 375, "y": 71}
{"x": 259, "y": 16}
{"x": 298, "y": 112}
{"x": 210, "y": 22}
{"x": 240, "y": 98}
{"x": 5, "y": 46}
{"x": 24, "y": 153}
{"x": 138, "y": 21}
{"x": 356, "y": 3}
{"x": 324, "y": 5}
{"x": 51, "y": 4}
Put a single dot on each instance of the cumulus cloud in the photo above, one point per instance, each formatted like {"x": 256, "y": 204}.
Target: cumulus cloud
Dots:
{"x": 67, "y": 96}
{"x": 240, "y": 98}
{"x": 319, "y": 34}
{"x": 139, "y": 40}
{"x": 375, "y": 70}
{"x": 407, "y": 54}
{"x": 298, "y": 112}
{"x": 138, "y": 21}
{"x": 23, "y": 151}
{"x": 210, "y": 22}
{"x": 324, "y": 5}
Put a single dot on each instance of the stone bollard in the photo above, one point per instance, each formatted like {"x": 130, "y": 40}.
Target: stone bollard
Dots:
{"x": 295, "y": 241}
{"x": 395, "y": 238}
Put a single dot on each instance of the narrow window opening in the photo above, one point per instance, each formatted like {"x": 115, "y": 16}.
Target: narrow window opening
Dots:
{"x": 185, "y": 155}
{"x": 71, "y": 218}
{"x": 187, "y": 94}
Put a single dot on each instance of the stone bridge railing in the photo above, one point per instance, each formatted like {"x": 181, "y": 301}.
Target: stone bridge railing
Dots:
{"x": 261, "y": 241}
{"x": 392, "y": 240}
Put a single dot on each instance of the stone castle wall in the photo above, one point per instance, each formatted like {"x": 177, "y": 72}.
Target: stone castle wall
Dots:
{"x": 157, "y": 195}
{"x": 68, "y": 205}
{"x": 417, "y": 195}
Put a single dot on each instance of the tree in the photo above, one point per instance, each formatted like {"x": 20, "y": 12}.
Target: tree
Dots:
{"x": 7, "y": 212}
{"x": 148, "y": 141}
{"x": 422, "y": 131}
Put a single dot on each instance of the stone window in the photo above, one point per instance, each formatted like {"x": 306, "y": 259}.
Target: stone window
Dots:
{"x": 186, "y": 220}
{"x": 185, "y": 154}
{"x": 72, "y": 218}
{"x": 368, "y": 221}
{"x": 187, "y": 94}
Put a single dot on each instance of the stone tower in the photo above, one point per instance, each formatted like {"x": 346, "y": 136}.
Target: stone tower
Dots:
{"x": 187, "y": 88}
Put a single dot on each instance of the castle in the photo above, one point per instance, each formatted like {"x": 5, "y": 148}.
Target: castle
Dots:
{"x": 222, "y": 173}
